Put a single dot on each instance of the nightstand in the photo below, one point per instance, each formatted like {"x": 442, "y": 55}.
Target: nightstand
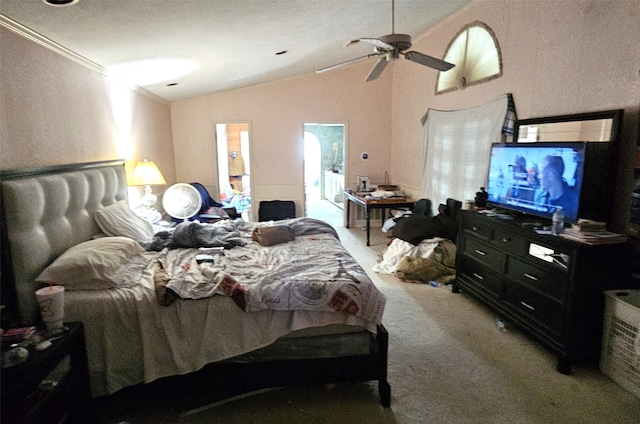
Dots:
{"x": 52, "y": 386}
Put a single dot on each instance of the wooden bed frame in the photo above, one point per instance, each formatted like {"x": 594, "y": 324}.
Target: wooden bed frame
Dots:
{"x": 106, "y": 182}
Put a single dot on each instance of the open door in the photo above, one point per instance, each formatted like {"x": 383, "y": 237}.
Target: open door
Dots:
{"x": 324, "y": 166}
{"x": 233, "y": 146}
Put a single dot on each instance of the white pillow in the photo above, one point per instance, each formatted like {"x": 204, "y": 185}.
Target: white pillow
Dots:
{"x": 92, "y": 265}
{"x": 118, "y": 220}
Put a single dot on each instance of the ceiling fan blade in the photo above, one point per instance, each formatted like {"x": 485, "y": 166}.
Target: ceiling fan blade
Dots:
{"x": 429, "y": 61}
{"x": 338, "y": 65}
{"x": 377, "y": 69}
{"x": 375, "y": 42}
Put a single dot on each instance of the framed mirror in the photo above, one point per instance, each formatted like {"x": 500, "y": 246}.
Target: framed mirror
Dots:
{"x": 592, "y": 127}
{"x": 602, "y": 132}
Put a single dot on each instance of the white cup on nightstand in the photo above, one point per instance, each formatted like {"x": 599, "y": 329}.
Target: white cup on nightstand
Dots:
{"x": 51, "y": 303}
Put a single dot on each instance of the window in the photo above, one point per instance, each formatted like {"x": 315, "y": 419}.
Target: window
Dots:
{"x": 476, "y": 54}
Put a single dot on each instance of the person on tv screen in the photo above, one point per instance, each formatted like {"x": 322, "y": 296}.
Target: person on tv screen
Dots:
{"x": 554, "y": 190}
{"x": 521, "y": 189}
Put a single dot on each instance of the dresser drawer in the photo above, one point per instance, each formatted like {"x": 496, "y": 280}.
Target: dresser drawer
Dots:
{"x": 478, "y": 227}
{"x": 479, "y": 275}
{"x": 485, "y": 253}
{"x": 541, "y": 279}
{"x": 540, "y": 308}
{"x": 510, "y": 242}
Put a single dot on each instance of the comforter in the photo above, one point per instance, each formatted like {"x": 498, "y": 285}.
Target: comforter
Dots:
{"x": 313, "y": 272}
{"x": 131, "y": 338}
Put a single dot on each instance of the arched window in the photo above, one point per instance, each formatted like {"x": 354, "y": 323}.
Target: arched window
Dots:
{"x": 476, "y": 54}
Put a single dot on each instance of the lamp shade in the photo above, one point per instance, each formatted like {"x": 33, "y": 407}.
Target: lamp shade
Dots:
{"x": 146, "y": 173}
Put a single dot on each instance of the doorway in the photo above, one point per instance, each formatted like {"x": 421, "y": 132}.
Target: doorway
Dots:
{"x": 233, "y": 146}
{"x": 324, "y": 170}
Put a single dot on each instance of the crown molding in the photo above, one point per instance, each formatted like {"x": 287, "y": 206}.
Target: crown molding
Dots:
{"x": 31, "y": 35}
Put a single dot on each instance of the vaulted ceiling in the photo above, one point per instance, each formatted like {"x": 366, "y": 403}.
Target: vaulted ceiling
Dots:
{"x": 183, "y": 49}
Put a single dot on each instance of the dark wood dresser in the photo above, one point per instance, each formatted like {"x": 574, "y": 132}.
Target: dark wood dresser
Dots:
{"x": 549, "y": 287}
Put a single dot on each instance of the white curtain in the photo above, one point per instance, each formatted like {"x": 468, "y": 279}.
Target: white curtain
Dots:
{"x": 457, "y": 146}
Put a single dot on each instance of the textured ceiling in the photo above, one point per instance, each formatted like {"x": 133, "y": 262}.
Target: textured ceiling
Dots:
{"x": 208, "y": 46}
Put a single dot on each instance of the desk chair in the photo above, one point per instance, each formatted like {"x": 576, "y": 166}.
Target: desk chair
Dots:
{"x": 276, "y": 210}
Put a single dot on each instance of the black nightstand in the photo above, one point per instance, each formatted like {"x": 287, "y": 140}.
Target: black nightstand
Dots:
{"x": 52, "y": 386}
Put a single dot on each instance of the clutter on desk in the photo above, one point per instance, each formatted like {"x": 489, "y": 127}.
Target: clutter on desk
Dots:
{"x": 385, "y": 194}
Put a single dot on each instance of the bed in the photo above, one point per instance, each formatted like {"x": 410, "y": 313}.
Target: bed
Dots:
{"x": 293, "y": 313}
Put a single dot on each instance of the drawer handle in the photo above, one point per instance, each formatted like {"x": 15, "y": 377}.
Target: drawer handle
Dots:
{"x": 506, "y": 240}
{"x": 478, "y": 276}
{"x": 475, "y": 228}
{"x": 531, "y": 277}
{"x": 480, "y": 252}
{"x": 526, "y": 305}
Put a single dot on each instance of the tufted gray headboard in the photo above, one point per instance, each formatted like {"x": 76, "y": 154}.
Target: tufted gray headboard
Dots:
{"x": 45, "y": 211}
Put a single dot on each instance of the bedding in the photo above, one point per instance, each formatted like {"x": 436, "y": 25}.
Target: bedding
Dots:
{"x": 310, "y": 285}
{"x": 131, "y": 339}
{"x": 311, "y": 272}
{"x": 312, "y": 279}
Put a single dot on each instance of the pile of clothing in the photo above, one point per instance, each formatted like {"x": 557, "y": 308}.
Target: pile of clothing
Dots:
{"x": 422, "y": 250}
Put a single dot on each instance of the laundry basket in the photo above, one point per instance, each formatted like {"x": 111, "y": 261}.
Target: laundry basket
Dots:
{"x": 620, "y": 356}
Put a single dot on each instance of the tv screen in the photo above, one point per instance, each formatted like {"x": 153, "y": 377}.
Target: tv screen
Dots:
{"x": 536, "y": 178}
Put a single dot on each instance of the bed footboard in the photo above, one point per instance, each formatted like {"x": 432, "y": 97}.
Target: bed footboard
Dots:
{"x": 260, "y": 374}
{"x": 219, "y": 381}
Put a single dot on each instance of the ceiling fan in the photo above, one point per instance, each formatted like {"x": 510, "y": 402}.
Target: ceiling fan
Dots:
{"x": 391, "y": 47}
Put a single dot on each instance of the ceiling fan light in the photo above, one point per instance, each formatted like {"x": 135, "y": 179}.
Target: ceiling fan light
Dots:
{"x": 60, "y": 3}
{"x": 400, "y": 42}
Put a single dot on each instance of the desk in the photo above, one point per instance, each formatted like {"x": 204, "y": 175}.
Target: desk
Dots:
{"x": 368, "y": 205}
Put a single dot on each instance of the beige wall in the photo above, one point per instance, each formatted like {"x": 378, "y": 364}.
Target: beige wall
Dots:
{"x": 559, "y": 57}
{"x": 55, "y": 111}
{"x": 276, "y": 113}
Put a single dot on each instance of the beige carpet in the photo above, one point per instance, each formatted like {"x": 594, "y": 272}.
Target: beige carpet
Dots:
{"x": 448, "y": 363}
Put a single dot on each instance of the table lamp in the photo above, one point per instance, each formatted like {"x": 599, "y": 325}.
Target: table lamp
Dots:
{"x": 146, "y": 174}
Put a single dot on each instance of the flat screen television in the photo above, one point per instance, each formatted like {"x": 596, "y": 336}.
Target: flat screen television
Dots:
{"x": 536, "y": 178}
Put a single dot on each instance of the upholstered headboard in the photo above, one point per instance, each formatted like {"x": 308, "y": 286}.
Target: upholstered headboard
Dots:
{"x": 45, "y": 211}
